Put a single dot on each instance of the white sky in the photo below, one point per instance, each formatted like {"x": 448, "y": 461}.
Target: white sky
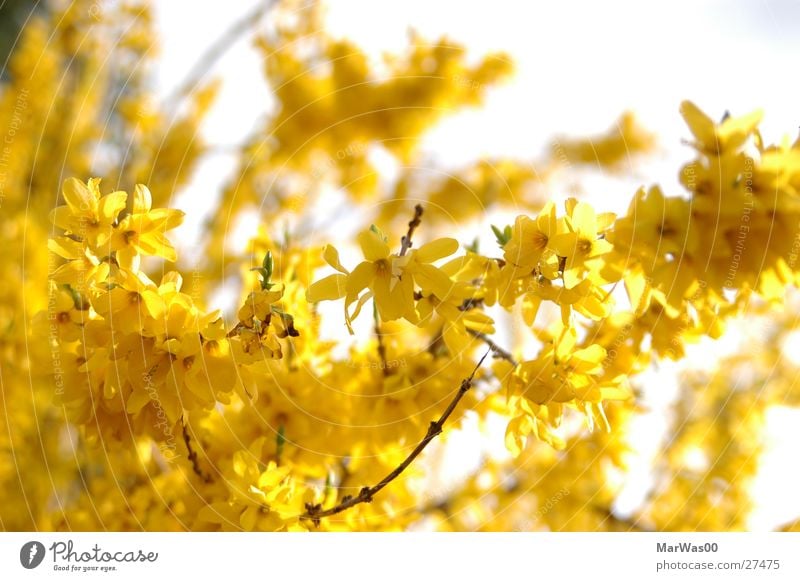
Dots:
{"x": 579, "y": 65}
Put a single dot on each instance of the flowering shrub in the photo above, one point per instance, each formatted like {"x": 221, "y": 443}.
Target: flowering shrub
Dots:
{"x": 130, "y": 404}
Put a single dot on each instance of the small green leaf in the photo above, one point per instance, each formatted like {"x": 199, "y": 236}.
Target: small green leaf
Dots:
{"x": 265, "y": 270}
{"x": 267, "y": 264}
{"x": 378, "y": 231}
{"x": 503, "y": 236}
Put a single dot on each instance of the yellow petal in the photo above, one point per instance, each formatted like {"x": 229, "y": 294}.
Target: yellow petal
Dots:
{"x": 142, "y": 199}
{"x": 128, "y": 258}
{"x": 564, "y": 244}
{"x": 248, "y": 518}
{"x": 242, "y": 462}
{"x": 111, "y": 205}
{"x": 373, "y": 247}
{"x": 65, "y": 247}
{"x": 153, "y": 303}
{"x": 331, "y": 256}
{"x": 436, "y": 249}
{"x": 330, "y": 288}
{"x": 584, "y": 219}
{"x": 431, "y": 279}
{"x": 701, "y": 126}
{"x": 546, "y": 221}
{"x": 61, "y": 217}
{"x": 403, "y": 295}
{"x": 516, "y": 434}
{"x": 456, "y": 339}
{"x": 78, "y": 196}
{"x": 388, "y": 309}
{"x": 565, "y": 343}
{"x": 735, "y": 131}
{"x": 588, "y": 359}
{"x": 530, "y": 308}
{"x": 350, "y": 317}
{"x": 137, "y": 400}
{"x": 360, "y": 278}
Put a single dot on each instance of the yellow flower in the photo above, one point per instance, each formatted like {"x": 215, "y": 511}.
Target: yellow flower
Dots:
{"x": 133, "y": 304}
{"x": 456, "y": 323}
{"x": 656, "y": 225}
{"x": 87, "y": 215}
{"x": 715, "y": 139}
{"x": 582, "y": 242}
{"x": 427, "y": 277}
{"x": 82, "y": 269}
{"x": 262, "y": 496}
{"x": 380, "y": 273}
{"x": 65, "y": 319}
{"x": 142, "y": 231}
{"x": 258, "y": 305}
{"x": 561, "y": 375}
{"x": 530, "y": 239}
{"x": 586, "y": 298}
{"x": 626, "y": 138}
{"x": 389, "y": 278}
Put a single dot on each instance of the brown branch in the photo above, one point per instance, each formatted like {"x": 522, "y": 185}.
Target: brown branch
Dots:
{"x": 192, "y": 455}
{"x": 405, "y": 241}
{"x": 314, "y": 512}
{"x": 496, "y": 350}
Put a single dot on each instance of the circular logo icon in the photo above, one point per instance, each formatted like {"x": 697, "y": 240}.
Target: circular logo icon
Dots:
{"x": 31, "y": 554}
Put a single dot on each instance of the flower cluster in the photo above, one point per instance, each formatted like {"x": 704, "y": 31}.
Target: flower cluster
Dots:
{"x": 140, "y": 355}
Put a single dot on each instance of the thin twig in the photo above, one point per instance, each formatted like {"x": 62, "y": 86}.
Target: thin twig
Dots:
{"x": 496, "y": 350}
{"x": 405, "y": 242}
{"x": 314, "y": 512}
{"x": 192, "y": 455}
{"x": 216, "y": 50}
